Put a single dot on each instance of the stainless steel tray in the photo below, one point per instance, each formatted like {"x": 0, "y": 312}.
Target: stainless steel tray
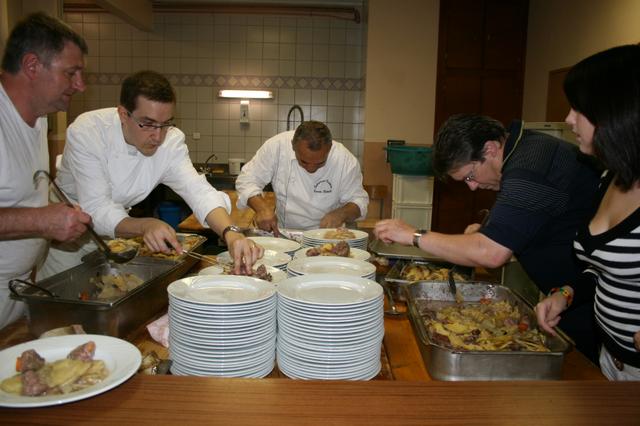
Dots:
{"x": 397, "y": 284}
{"x": 448, "y": 364}
{"x": 398, "y": 251}
{"x": 54, "y": 302}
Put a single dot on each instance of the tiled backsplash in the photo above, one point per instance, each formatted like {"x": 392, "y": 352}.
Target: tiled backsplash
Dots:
{"x": 317, "y": 63}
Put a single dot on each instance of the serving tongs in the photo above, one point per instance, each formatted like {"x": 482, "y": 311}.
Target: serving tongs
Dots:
{"x": 452, "y": 285}
{"x": 119, "y": 257}
{"x": 484, "y": 214}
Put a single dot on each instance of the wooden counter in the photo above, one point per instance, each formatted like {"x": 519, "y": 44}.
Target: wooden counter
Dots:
{"x": 411, "y": 397}
{"x": 149, "y": 400}
{"x": 240, "y": 217}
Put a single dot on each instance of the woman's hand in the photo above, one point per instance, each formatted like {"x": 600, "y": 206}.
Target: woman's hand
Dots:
{"x": 636, "y": 340}
{"x": 394, "y": 231}
{"x": 548, "y": 312}
{"x": 244, "y": 252}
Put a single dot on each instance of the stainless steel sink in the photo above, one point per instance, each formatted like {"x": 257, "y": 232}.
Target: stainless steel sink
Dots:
{"x": 221, "y": 180}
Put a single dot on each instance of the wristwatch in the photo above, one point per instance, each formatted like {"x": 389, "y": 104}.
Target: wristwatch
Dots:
{"x": 232, "y": 228}
{"x": 416, "y": 236}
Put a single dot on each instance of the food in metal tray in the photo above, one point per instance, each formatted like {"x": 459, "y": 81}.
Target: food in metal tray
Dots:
{"x": 486, "y": 326}
{"x": 37, "y": 378}
{"x": 113, "y": 286}
{"x": 340, "y": 248}
{"x": 339, "y": 234}
{"x": 421, "y": 272}
{"x": 122, "y": 244}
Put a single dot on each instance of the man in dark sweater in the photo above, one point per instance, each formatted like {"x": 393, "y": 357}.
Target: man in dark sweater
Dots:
{"x": 546, "y": 189}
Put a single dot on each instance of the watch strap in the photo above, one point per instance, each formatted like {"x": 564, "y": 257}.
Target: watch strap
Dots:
{"x": 416, "y": 237}
{"x": 232, "y": 228}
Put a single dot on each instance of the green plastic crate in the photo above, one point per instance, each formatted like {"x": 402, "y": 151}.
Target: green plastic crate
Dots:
{"x": 410, "y": 160}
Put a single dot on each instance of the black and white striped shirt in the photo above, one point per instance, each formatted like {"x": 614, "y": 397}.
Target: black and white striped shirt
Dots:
{"x": 613, "y": 257}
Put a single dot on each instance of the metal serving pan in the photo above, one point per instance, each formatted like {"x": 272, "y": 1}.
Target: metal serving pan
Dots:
{"x": 448, "y": 364}
{"x": 397, "y": 284}
{"x": 54, "y": 302}
{"x": 398, "y": 251}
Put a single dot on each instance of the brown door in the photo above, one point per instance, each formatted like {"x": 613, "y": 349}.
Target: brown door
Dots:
{"x": 481, "y": 53}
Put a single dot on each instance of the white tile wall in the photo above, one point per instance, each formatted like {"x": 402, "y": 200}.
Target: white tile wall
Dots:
{"x": 316, "y": 63}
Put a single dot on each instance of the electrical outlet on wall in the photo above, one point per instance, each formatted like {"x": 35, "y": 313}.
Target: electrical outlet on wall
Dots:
{"x": 244, "y": 111}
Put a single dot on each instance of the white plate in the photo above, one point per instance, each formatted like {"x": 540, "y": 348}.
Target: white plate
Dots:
{"x": 329, "y": 289}
{"x": 319, "y": 235}
{"x": 121, "y": 358}
{"x": 212, "y": 270}
{"x": 270, "y": 258}
{"x": 330, "y": 265}
{"x": 277, "y": 275}
{"x": 276, "y": 244}
{"x": 354, "y": 253}
{"x": 221, "y": 289}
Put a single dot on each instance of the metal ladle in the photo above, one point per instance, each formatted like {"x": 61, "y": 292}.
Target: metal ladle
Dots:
{"x": 119, "y": 257}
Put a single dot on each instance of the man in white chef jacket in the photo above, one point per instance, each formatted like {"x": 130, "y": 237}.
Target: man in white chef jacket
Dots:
{"x": 316, "y": 180}
{"x": 114, "y": 157}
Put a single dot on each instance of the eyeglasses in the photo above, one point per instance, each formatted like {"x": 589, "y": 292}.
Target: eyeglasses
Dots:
{"x": 472, "y": 174}
{"x": 149, "y": 127}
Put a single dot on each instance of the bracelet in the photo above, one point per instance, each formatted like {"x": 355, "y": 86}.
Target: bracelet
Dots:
{"x": 564, "y": 291}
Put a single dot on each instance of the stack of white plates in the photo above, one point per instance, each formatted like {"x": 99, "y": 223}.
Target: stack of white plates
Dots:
{"x": 222, "y": 326}
{"x": 331, "y": 265}
{"x": 354, "y": 253}
{"x": 330, "y": 327}
{"x": 316, "y": 237}
{"x": 270, "y": 258}
{"x": 277, "y": 244}
{"x": 277, "y": 275}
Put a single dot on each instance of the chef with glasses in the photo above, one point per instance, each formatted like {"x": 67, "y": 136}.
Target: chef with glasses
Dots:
{"x": 114, "y": 157}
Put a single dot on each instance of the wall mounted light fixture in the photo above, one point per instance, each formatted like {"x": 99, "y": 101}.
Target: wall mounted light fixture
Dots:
{"x": 246, "y": 94}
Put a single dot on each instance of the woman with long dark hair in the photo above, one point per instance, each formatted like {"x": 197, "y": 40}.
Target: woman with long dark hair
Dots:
{"x": 604, "y": 93}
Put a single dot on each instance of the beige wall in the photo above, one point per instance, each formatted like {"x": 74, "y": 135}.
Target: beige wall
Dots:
{"x": 563, "y": 32}
{"x": 400, "y": 92}
{"x": 402, "y": 52}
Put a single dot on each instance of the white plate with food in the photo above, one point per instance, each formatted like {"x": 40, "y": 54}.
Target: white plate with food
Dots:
{"x": 276, "y": 244}
{"x": 121, "y": 359}
{"x": 270, "y": 258}
{"x": 277, "y": 275}
{"x": 326, "y": 250}
{"x": 335, "y": 234}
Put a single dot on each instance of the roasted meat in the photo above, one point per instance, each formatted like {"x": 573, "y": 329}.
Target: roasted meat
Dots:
{"x": 29, "y": 360}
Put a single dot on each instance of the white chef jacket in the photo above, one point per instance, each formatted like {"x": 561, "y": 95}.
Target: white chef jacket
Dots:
{"x": 106, "y": 176}
{"x": 23, "y": 151}
{"x": 302, "y": 198}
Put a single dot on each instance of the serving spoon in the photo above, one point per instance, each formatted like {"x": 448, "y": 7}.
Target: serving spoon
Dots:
{"x": 118, "y": 257}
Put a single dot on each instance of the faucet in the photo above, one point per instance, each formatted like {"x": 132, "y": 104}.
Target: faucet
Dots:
{"x": 291, "y": 110}
{"x": 205, "y": 167}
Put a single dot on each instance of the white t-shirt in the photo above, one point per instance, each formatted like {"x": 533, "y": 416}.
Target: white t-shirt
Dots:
{"x": 302, "y": 198}
{"x": 23, "y": 151}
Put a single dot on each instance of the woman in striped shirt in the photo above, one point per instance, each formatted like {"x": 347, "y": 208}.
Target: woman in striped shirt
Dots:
{"x": 604, "y": 93}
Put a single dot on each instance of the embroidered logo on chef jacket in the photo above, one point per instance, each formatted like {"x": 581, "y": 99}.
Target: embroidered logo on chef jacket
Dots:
{"x": 323, "y": 187}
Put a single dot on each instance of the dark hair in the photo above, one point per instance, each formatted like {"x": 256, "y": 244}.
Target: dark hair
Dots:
{"x": 149, "y": 84}
{"x": 461, "y": 140}
{"x": 315, "y": 133}
{"x": 42, "y": 35}
{"x": 605, "y": 88}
